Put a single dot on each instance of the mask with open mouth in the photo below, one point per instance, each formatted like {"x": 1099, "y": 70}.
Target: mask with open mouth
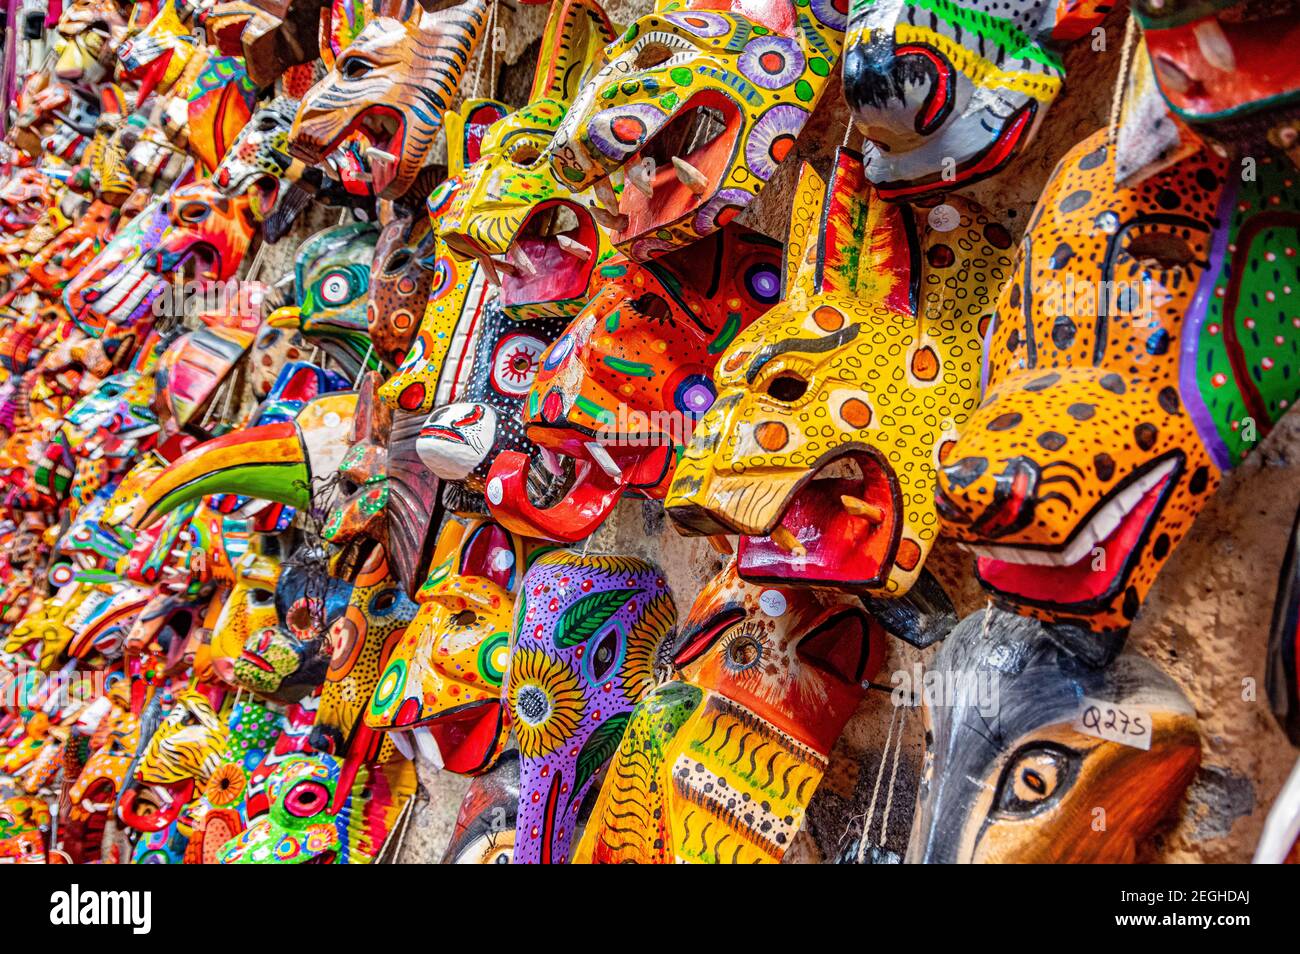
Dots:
{"x": 485, "y": 825}
{"x": 1028, "y": 748}
{"x": 588, "y": 633}
{"x": 55, "y": 265}
{"x": 114, "y": 286}
{"x": 24, "y": 829}
{"x": 444, "y": 678}
{"x": 697, "y": 108}
{"x": 1226, "y": 68}
{"x": 510, "y": 213}
{"x": 332, "y": 280}
{"x": 159, "y": 52}
{"x": 460, "y": 441}
{"x": 949, "y": 94}
{"x": 191, "y": 370}
{"x": 94, "y": 792}
{"x": 209, "y": 233}
{"x": 175, "y": 765}
{"x": 1144, "y": 348}
{"x": 621, "y": 389}
{"x": 821, "y": 447}
{"x": 393, "y": 83}
{"x": 784, "y": 669}
{"x": 258, "y": 163}
{"x": 324, "y": 810}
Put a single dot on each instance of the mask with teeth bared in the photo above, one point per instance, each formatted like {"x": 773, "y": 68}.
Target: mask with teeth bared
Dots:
{"x": 821, "y": 447}
{"x": 947, "y": 94}
{"x": 1227, "y": 68}
{"x": 1147, "y": 348}
{"x": 696, "y": 107}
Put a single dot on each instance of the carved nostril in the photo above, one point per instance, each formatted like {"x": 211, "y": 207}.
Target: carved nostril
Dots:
{"x": 965, "y": 471}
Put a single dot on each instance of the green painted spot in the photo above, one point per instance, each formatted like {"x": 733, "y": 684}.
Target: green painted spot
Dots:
{"x": 630, "y": 87}
{"x": 532, "y": 403}
{"x": 633, "y": 369}
{"x": 613, "y": 271}
{"x": 726, "y": 334}
{"x": 669, "y": 100}
{"x": 609, "y": 93}
{"x": 764, "y": 31}
{"x": 595, "y": 411}
{"x": 630, "y": 33}
{"x": 819, "y": 66}
{"x": 572, "y": 174}
{"x": 680, "y": 75}
{"x": 803, "y": 89}
{"x": 611, "y": 323}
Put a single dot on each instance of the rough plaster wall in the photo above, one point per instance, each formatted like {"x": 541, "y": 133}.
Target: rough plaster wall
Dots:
{"x": 1205, "y": 622}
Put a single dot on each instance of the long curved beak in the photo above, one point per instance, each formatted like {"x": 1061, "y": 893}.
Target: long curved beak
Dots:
{"x": 269, "y": 462}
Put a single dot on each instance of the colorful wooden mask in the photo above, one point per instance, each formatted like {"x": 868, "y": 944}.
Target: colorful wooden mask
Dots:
{"x": 158, "y": 54}
{"x": 180, "y": 755}
{"x": 273, "y": 34}
{"x": 1119, "y": 385}
{"x": 87, "y": 29}
{"x": 332, "y": 281}
{"x": 460, "y": 441}
{"x": 697, "y": 108}
{"x": 1224, "y": 67}
{"x": 269, "y": 461}
{"x": 24, "y": 829}
{"x": 719, "y": 766}
{"x": 445, "y": 677}
{"x": 392, "y": 84}
{"x": 360, "y": 506}
{"x": 511, "y": 214}
{"x": 208, "y": 231}
{"x": 324, "y": 811}
{"x": 258, "y": 161}
{"x": 220, "y": 103}
{"x": 622, "y": 387}
{"x": 821, "y": 446}
{"x": 485, "y": 826}
{"x": 948, "y": 95}
{"x": 1033, "y": 749}
{"x": 402, "y": 274}
{"x": 588, "y": 631}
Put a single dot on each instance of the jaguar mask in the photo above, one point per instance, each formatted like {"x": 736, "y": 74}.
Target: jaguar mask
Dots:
{"x": 833, "y": 408}
{"x": 392, "y": 85}
{"x": 588, "y": 632}
{"x": 1143, "y": 348}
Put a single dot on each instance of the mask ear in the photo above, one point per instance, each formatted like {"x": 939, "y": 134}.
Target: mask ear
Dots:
{"x": 577, "y": 32}
{"x": 866, "y": 247}
{"x": 799, "y": 279}
{"x": 466, "y": 128}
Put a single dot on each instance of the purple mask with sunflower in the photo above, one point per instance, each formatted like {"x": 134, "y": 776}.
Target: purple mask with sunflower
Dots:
{"x": 588, "y": 631}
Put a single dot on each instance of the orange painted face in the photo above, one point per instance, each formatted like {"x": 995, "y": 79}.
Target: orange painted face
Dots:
{"x": 1145, "y": 344}
{"x": 621, "y": 389}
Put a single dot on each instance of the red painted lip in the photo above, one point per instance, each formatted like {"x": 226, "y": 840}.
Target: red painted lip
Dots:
{"x": 842, "y": 549}
{"x": 257, "y": 661}
{"x": 1079, "y": 586}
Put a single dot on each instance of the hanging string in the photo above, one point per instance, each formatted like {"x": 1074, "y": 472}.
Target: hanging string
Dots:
{"x": 1121, "y": 81}
{"x": 365, "y": 362}
{"x": 399, "y": 823}
{"x": 875, "y": 792}
{"x": 893, "y": 778}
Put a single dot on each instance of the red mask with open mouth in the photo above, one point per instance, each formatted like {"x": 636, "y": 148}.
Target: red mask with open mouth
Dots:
{"x": 621, "y": 389}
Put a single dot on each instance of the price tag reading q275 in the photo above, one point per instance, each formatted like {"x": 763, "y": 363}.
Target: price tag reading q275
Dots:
{"x": 1128, "y": 725}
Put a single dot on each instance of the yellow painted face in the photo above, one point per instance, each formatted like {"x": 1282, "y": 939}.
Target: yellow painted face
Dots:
{"x": 696, "y": 109}
{"x": 821, "y": 448}
{"x": 249, "y": 609}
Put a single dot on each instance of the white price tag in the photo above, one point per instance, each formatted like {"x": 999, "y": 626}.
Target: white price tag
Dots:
{"x": 1126, "y": 724}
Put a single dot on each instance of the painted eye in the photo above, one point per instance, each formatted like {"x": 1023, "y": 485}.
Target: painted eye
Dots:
{"x": 193, "y": 212}
{"x": 307, "y": 799}
{"x": 514, "y": 365}
{"x": 335, "y": 288}
{"x": 1033, "y": 777}
{"x": 787, "y": 387}
{"x": 354, "y": 67}
{"x": 742, "y": 651}
{"x": 525, "y": 155}
{"x": 604, "y": 656}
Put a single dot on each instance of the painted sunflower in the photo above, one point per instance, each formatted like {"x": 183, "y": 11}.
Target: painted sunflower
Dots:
{"x": 546, "y": 700}
{"x": 226, "y": 785}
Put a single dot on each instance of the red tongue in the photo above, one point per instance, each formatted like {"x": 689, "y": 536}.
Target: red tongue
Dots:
{"x": 467, "y": 739}
{"x": 1080, "y": 583}
{"x": 560, "y": 276}
{"x": 842, "y": 548}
